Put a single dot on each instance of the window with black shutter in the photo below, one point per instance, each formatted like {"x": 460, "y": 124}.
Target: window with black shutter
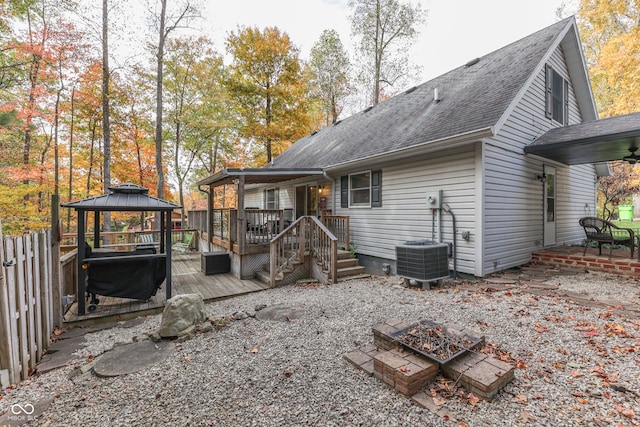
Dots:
{"x": 556, "y": 96}
{"x": 362, "y": 189}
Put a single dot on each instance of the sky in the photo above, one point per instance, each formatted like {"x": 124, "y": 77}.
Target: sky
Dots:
{"x": 455, "y": 31}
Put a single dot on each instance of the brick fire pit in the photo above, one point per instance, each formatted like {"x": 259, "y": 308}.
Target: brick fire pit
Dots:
{"x": 408, "y": 356}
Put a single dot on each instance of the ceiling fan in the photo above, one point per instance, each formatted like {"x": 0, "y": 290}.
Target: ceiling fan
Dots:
{"x": 632, "y": 159}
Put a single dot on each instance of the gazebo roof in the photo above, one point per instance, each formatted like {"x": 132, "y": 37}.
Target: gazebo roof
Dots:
{"x": 124, "y": 197}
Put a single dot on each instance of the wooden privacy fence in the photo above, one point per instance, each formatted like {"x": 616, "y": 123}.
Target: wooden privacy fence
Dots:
{"x": 26, "y": 303}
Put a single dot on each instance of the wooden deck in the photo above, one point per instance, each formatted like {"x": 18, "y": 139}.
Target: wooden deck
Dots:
{"x": 186, "y": 279}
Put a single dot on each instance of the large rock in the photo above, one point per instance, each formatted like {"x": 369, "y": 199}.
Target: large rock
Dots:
{"x": 180, "y": 313}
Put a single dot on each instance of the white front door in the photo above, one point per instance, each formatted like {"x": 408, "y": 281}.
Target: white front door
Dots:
{"x": 550, "y": 206}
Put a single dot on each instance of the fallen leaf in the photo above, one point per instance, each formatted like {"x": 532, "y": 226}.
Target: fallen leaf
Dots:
{"x": 463, "y": 424}
{"x": 591, "y": 334}
{"x": 473, "y": 399}
{"x": 438, "y": 401}
{"x": 287, "y": 374}
{"x": 287, "y": 318}
{"x": 575, "y": 373}
{"x": 577, "y": 394}
{"x": 433, "y": 392}
{"x": 582, "y": 401}
{"x": 576, "y": 407}
{"x": 521, "y": 399}
{"x": 90, "y": 357}
{"x": 404, "y": 369}
{"x": 187, "y": 358}
{"x": 254, "y": 350}
{"x": 498, "y": 374}
{"x": 629, "y": 413}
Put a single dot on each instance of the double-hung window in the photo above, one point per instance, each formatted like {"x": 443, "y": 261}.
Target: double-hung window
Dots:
{"x": 557, "y": 96}
{"x": 361, "y": 189}
{"x": 271, "y": 198}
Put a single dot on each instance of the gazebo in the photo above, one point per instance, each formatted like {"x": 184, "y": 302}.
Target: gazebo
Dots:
{"x": 122, "y": 198}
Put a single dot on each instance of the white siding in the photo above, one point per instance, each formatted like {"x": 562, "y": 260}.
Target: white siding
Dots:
{"x": 405, "y": 215}
{"x": 513, "y": 216}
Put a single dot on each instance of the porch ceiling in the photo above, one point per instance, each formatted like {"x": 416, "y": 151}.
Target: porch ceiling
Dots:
{"x": 257, "y": 175}
{"x": 590, "y": 142}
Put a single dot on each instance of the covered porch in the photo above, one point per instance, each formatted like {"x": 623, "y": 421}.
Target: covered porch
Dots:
{"x": 259, "y": 237}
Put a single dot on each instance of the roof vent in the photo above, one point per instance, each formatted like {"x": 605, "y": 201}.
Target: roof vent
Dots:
{"x": 411, "y": 89}
{"x": 472, "y": 62}
{"x": 337, "y": 123}
{"x": 436, "y": 95}
{"x": 368, "y": 109}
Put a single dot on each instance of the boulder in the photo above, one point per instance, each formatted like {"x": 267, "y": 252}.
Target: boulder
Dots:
{"x": 180, "y": 313}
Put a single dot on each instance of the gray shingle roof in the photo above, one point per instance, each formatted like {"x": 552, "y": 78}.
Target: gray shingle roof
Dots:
{"x": 471, "y": 98}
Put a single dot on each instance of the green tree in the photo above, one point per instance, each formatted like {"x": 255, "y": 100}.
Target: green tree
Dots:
{"x": 330, "y": 68}
{"x": 385, "y": 29}
{"x": 189, "y": 64}
{"x": 268, "y": 88}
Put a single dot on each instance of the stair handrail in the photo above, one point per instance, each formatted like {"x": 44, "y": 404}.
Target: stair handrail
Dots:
{"x": 323, "y": 246}
{"x": 286, "y": 248}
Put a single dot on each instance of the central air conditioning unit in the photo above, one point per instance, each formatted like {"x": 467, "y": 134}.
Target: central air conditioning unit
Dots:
{"x": 423, "y": 260}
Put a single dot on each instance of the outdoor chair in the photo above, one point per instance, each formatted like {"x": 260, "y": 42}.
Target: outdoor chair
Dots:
{"x": 184, "y": 245}
{"x": 602, "y": 231}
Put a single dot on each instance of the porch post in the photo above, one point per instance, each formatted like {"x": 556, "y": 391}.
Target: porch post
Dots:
{"x": 242, "y": 224}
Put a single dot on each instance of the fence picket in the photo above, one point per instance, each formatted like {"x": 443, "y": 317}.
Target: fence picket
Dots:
{"x": 36, "y": 307}
{"x": 45, "y": 284}
{"x": 14, "y": 313}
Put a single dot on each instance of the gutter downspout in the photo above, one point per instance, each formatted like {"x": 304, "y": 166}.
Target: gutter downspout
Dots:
{"x": 208, "y": 193}
{"x": 447, "y": 209}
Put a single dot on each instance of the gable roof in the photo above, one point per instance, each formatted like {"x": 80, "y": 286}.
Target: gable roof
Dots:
{"x": 471, "y": 98}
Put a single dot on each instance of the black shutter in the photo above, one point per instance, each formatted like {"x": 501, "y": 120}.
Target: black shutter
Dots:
{"x": 344, "y": 191}
{"x": 566, "y": 102}
{"x": 548, "y": 98}
{"x": 376, "y": 189}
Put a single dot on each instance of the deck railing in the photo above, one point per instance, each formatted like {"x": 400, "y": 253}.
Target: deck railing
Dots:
{"x": 338, "y": 225}
{"x": 307, "y": 235}
{"x": 121, "y": 240}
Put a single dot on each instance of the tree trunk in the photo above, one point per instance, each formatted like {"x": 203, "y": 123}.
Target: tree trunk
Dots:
{"x": 106, "y": 131}
{"x": 159, "y": 78}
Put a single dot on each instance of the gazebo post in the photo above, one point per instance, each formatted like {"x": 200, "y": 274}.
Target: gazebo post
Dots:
{"x": 96, "y": 229}
{"x": 81, "y": 255}
{"x": 167, "y": 234}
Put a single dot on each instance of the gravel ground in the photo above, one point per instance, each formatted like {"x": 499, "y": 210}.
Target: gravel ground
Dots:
{"x": 577, "y": 365}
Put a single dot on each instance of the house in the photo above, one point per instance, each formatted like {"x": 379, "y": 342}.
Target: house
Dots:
{"x": 498, "y": 158}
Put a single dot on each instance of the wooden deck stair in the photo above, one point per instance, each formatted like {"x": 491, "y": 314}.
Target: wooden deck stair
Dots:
{"x": 348, "y": 268}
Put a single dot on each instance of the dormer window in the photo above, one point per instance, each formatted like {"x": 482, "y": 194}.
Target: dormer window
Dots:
{"x": 557, "y": 96}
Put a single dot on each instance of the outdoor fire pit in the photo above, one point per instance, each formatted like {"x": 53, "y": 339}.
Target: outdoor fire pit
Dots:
{"x": 434, "y": 341}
